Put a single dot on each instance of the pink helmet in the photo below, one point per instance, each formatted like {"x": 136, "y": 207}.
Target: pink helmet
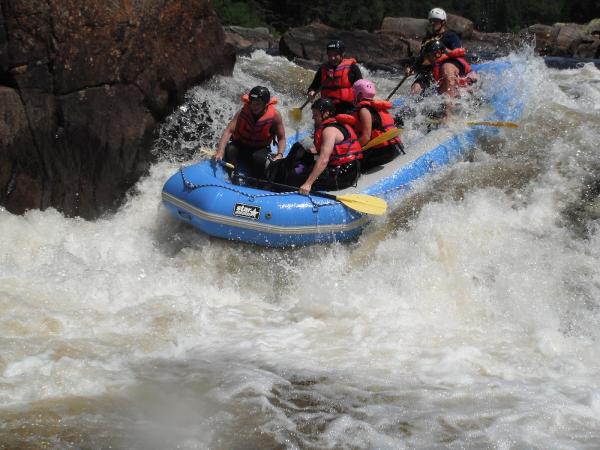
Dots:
{"x": 363, "y": 89}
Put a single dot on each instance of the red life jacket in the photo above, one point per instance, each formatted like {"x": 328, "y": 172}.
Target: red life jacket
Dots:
{"x": 335, "y": 83}
{"x": 455, "y": 55}
{"x": 255, "y": 132}
{"x": 378, "y": 108}
{"x": 346, "y": 151}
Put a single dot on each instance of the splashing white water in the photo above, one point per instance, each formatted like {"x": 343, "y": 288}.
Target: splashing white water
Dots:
{"x": 468, "y": 317}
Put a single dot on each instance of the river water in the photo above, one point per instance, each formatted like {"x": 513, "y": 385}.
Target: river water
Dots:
{"x": 467, "y": 317}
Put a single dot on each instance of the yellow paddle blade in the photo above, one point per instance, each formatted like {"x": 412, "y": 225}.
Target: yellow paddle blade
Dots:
{"x": 206, "y": 152}
{"x": 495, "y": 124}
{"x": 363, "y": 203}
{"x": 389, "y": 134}
{"x": 295, "y": 114}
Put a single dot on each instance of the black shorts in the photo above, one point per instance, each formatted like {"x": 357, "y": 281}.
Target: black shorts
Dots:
{"x": 336, "y": 178}
{"x": 250, "y": 160}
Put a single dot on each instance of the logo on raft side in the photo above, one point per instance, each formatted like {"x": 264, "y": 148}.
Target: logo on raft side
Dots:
{"x": 247, "y": 211}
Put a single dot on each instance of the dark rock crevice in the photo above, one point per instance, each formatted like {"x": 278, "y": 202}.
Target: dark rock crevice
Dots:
{"x": 82, "y": 89}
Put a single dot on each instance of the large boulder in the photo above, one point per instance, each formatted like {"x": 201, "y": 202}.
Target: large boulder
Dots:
{"x": 89, "y": 81}
{"x": 408, "y": 27}
{"x": 245, "y": 40}
{"x": 374, "y": 50}
{"x": 3, "y": 44}
{"x": 567, "y": 39}
{"x": 412, "y": 28}
{"x": 464, "y": 27}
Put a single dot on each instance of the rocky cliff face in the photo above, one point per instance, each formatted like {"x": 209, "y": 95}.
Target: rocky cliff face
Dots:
{"x": 83, "y": 84}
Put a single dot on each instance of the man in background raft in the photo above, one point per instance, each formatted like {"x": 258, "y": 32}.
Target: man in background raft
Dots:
{"x": 437, "y": 20}
{"x": 248, "y": 136}
{"x": 373, "y": 119}
{"x": 449, "y": 68}
{"x": 336, "y": 77}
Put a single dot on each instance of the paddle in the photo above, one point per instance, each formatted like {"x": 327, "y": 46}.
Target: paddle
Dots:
{"x": 397, "y": 87}
{"x": 363, "y": 203}
{"x": 389, "y": 134}
{"x": 296, "y": 113}
{"x": 494, "y": 124}
{"x": 485, "y": 123}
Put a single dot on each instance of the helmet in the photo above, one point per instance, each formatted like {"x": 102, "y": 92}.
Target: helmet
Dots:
{"x": 363, "y": 89}
{"x": 433, "y": 46}
{"x": 437, "y": 13}
{"x": 260, "y": 93}
{"x": 336, "y": 45}
{"x": 324, "y": 104}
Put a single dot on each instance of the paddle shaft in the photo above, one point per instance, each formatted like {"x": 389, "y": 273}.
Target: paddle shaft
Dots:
{"x": 308, "y": 99}
{"x": 304, "y": 104}
{"x": 494, "y": 124}
{"x": 281, "y": 185}
{"x": 397, "y": 87}
{"x": 486, "y": 123}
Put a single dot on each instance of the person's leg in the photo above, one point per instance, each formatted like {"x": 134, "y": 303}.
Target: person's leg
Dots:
{"x": 379, "y": 156}
{"x": 448, "y": 82}
{"x": 232, "y": 153}
{"x": 258, "y": 162}
{"x": 421, "y": 84}
{"x": 240, "y": 157}
{"x": 340, "y": 178}
{"x": 416, "y": 88}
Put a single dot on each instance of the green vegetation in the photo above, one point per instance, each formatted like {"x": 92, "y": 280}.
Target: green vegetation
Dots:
{"x": 243, "y": 13}
{"x": 488, "y": 15}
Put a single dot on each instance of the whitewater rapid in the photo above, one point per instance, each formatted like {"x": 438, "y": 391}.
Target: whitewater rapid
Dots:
{"x": 467, "y": 317}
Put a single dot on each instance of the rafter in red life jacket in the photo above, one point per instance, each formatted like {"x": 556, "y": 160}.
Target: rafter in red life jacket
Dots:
{"x": 349, "y": 149}
{"x": 255, "y": 131}
{"x": 382, "y": 120}
{"x": 335, "y": 83}
{"x": 457, "y": 55}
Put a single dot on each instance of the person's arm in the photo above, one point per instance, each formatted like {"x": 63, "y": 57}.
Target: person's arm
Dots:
{"x": 226, "y": 136}
{"x": 280, "y": 133}
{"x": 315, "y": 85}
{"x": 451, "y": 40}
{"x": 366, "y": 121}
{"x": 354, "y": 74}
{"x": 327, "y": 143}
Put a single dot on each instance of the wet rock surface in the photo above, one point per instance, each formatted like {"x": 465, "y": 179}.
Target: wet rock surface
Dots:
{"x": 83, "y": 86}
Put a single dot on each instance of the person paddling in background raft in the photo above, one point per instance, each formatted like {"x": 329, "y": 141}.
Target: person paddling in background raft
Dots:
{"x": 373, "y": 119}
{"x": 336, "y": 77}
{"x": 247, "y": 138}
{"x": 439, "y": 31}
{"x": 450, "y": 70}
{"x": 336, "y": 144}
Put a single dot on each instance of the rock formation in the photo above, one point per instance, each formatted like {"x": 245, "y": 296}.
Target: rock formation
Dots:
{"x": 83, "y": 84}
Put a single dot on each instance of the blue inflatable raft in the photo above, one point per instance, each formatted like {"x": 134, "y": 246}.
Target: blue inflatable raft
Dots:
{"x": 203, "y": 196}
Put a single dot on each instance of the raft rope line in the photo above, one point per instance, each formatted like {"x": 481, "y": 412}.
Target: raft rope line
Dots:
{"x": 192, "y": 186}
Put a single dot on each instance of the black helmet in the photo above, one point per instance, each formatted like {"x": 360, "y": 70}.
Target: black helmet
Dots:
{"x": 260, "y": 93}
{"x": 336, "y": 45}
{"x": 324, "y": 104}
{"x": 433, "y": 46}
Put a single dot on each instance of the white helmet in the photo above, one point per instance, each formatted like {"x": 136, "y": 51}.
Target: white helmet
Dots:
{"x": 437, "y": 13}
